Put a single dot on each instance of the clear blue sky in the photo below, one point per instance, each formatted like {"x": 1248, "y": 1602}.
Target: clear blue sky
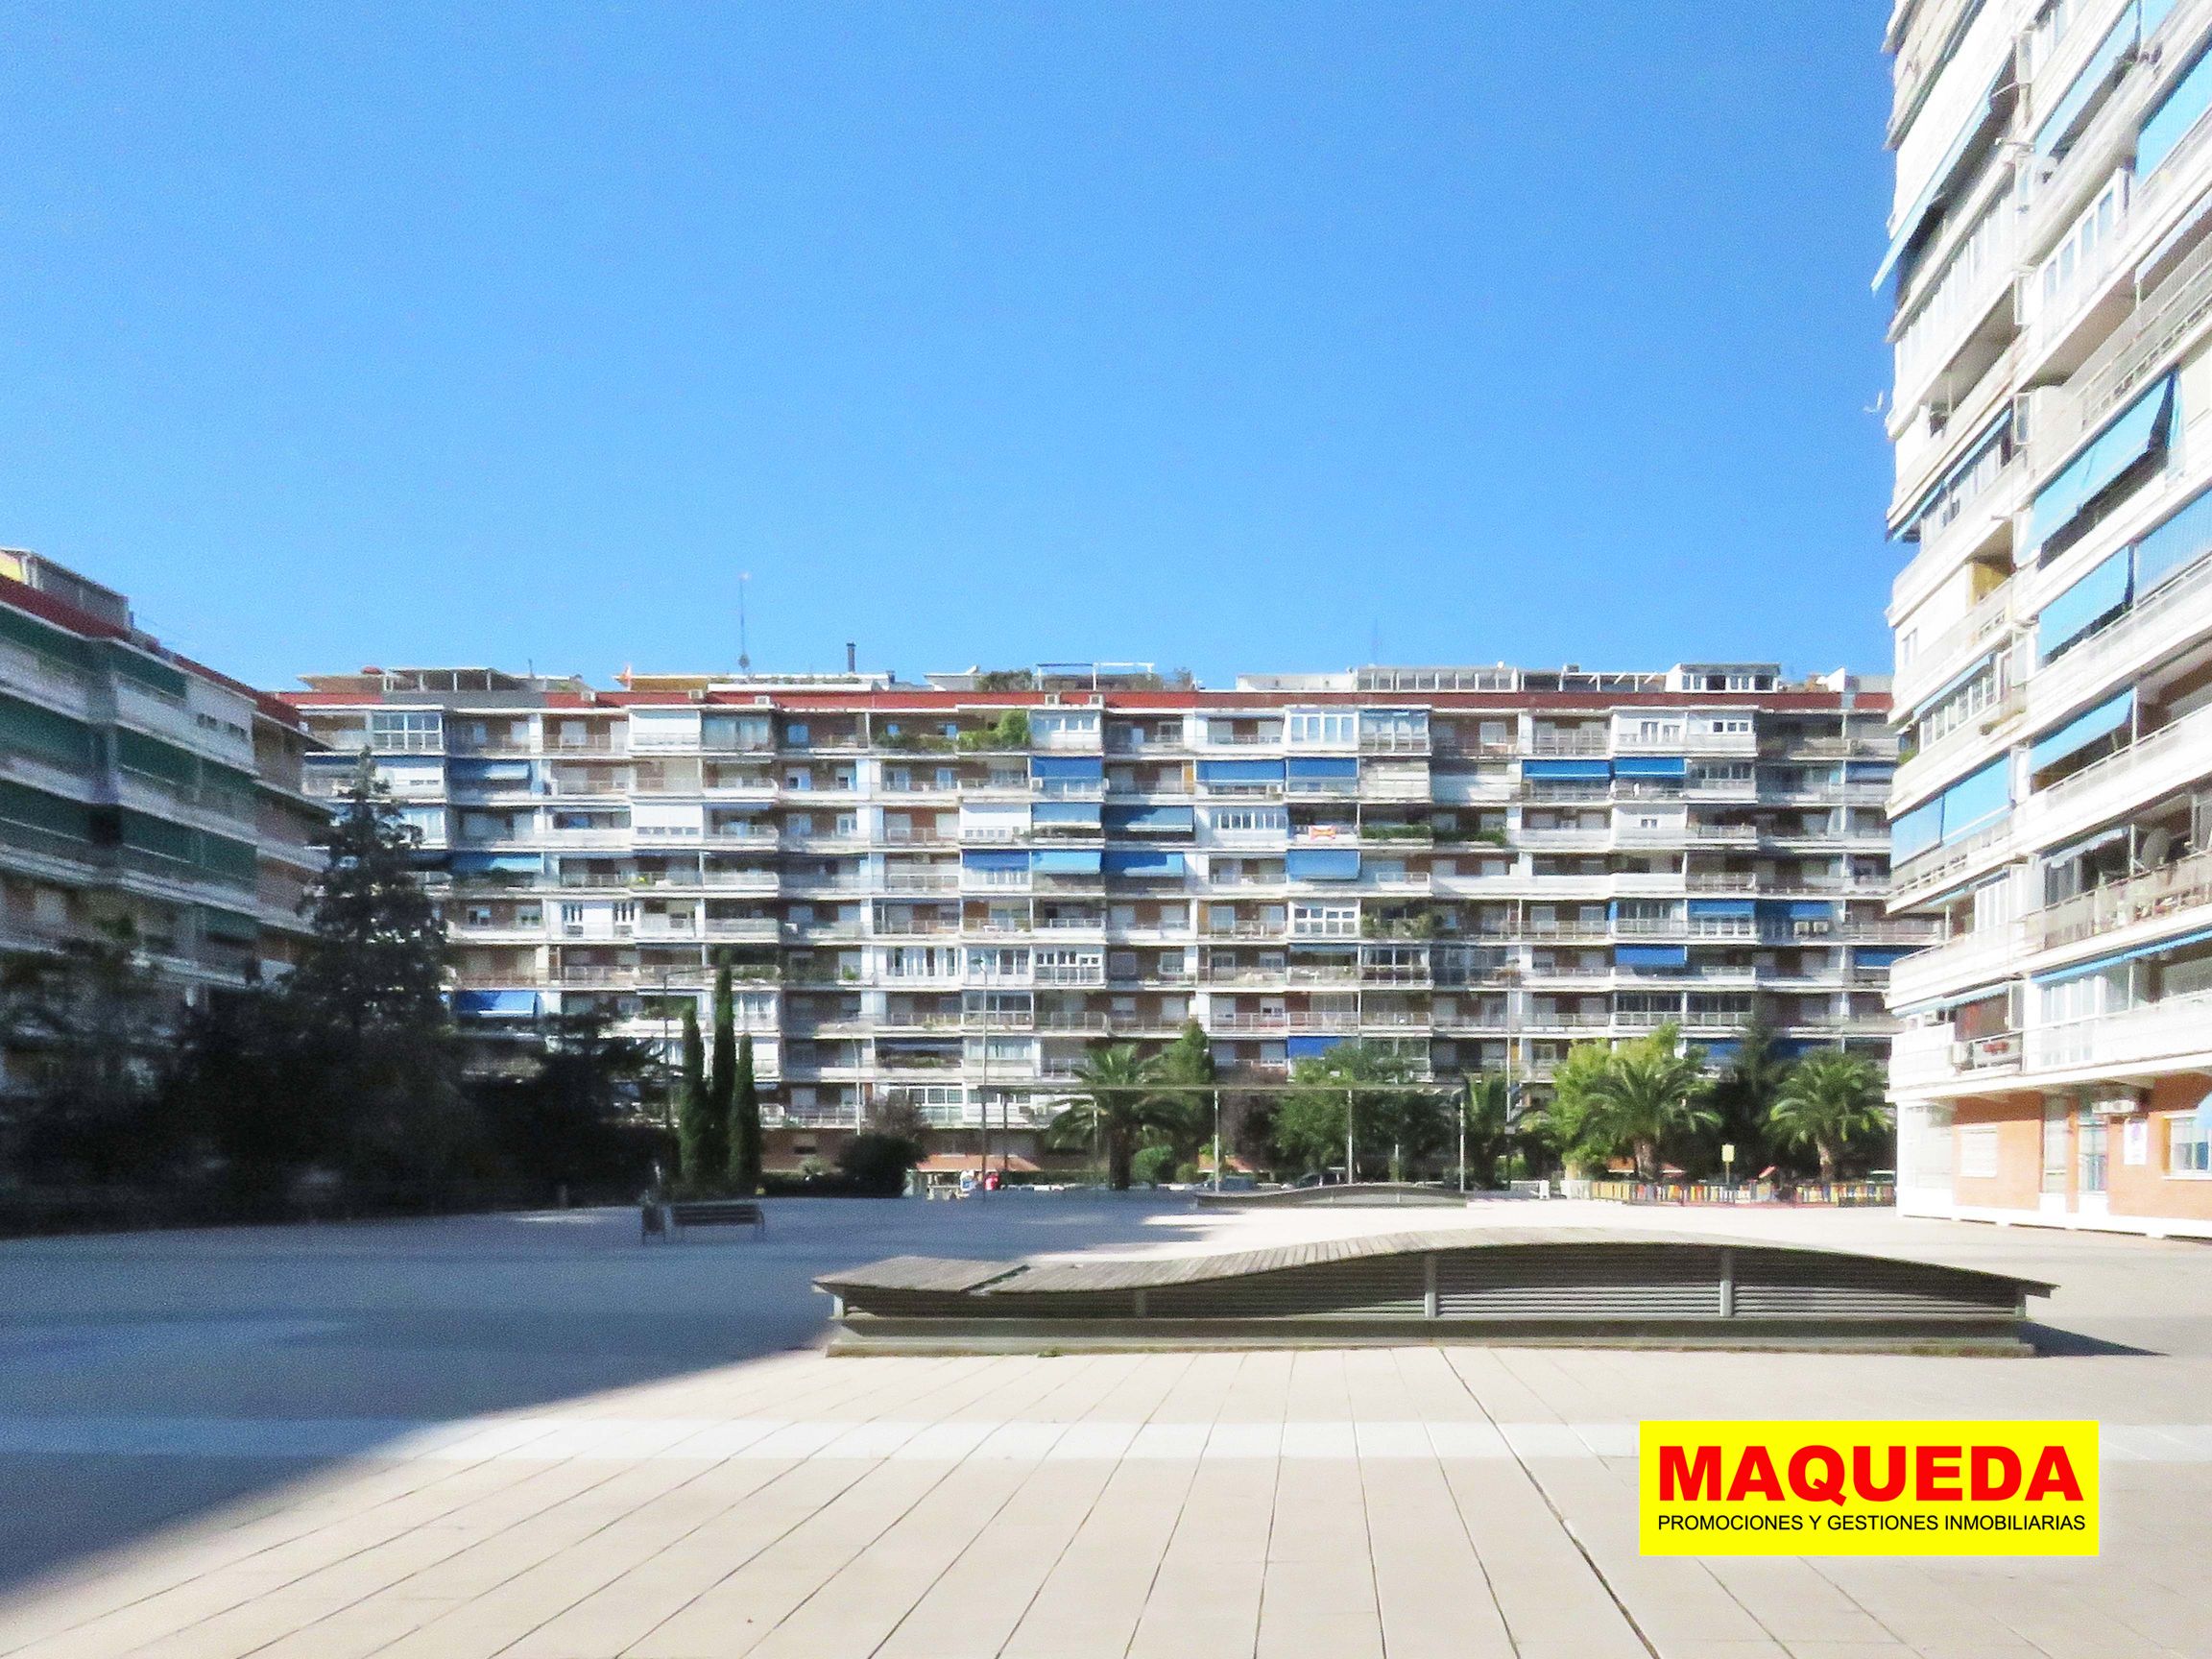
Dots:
{"x": 1223, "y": 336}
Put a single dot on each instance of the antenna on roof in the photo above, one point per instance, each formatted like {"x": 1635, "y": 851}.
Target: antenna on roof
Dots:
{"x": 744, "y": 656}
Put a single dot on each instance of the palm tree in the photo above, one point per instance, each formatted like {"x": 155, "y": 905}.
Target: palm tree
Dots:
{"x": 1652, "y": 1089}
{"x": 1830, "y": 1100}
{"x": 1115, "y": 1106}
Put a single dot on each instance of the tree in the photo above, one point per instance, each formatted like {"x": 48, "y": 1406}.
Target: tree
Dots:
{"x": 562, "y": 1121}
{"x": 1650, "y": 1089}
{"x": 1830, "y": 1100}
{"x": 88, "y": 1027}
{"x": 722, "y": 1078}
{"x": 1572, "y": 1121}
{"x": 745, "y": 1122}
{"x": 1392, "y": 1127}
{"x": 1489, "y": 1136}
{"x": 699, "y": 1147}
{"x": 1188, "y": 1063}
{"x": 1744, "y": 1095}
{"x": 877, "y": 1160}
{"x": 1117, "y": 1106}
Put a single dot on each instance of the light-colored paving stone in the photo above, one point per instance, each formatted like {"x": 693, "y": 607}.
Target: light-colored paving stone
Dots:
{"x": 387, "y": 1446}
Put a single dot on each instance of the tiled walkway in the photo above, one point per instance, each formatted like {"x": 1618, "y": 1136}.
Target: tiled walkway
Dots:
{"x": 1408, "y": 1501}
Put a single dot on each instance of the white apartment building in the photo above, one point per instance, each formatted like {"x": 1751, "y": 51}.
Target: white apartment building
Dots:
{"x": 943, "y": 894}
{"x": 2052, "y": 255}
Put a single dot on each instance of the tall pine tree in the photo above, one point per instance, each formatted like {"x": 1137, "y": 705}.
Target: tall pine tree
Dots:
{"x": 698, "y": 1134}
{"x": 745, "y": 1123}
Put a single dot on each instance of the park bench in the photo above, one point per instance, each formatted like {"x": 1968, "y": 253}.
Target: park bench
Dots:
{"x": 670, "y": 1221}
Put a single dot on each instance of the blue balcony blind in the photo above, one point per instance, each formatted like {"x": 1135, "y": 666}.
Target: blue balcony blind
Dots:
{"x": 509, "y": 1003}
{"x": 1322, "y": 864}
{"x": 2174, "y": 546}
{"x": 2066, "y": 114}
{"x": 2140, "y": 430}
{"x": 1940, "y": 182}
{"x": 1567, "y": 768}
{"x": 2089, "y": 604}
{"x": 1799, "y": 909}
{"x": 2176, "y": 117}
{"x": 1064, "y": 861}
{"x": 1307, "y": 1047}
{"x": 1721, "y": 908}
{"x": 1914, "y": 833}
{"x": 2078, "y": 734}
{"x": 473, "y": 771}
{"x": 1079, "y": 813}
{"x": 1651, "y": 766}
{"x": 1149, "y": 820}
{"x": 1313, "y": 767}
{"x": 974, "y": 861}
{"x": 1882, "y": 956}
{"x": 2097, "y": 965}
{"x": 1067, "y": 768}
{"x": 1239, "y": 771}
{"x": 499, "y": 863}
{"x": 1977, "y": 800}
{"x": 1146, "y": 861}
{"x": 1651, "y": 955}
{"x": 1995, "y": 432}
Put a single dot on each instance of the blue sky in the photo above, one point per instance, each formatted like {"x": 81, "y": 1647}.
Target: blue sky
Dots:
{"x": 1222, "y": 336}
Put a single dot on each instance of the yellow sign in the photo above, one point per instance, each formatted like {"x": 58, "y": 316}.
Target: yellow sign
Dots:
{"x": 1867, "y": 1489}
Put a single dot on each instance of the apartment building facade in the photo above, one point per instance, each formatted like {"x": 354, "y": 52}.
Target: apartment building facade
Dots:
{"x": 942, "y": 894}
{"x": 2051, "y": 417}
{"x": 137, "y": 785}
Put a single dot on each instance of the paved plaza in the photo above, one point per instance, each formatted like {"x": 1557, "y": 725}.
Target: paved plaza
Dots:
{"x": 529, "y": 1436}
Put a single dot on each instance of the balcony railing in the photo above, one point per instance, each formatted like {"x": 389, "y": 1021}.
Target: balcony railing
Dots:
{"x": 2178, "y": 1025}
{"x": 2185, "y": 885}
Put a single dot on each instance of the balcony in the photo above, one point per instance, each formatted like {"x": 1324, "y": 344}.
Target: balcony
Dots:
{"x": 1927, "y": 874}
{"x": 1955, "y": 752}
{"x": 2175, "y": 615}
{"x": 2174, "y": 1034}
{"x": 2185, "y": 886}
{"x": 1928, "y": 1057}
{"x": 2153, "y": 766}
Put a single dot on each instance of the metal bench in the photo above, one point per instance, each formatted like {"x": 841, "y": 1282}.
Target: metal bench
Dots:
{"x": 670, "y": 1221}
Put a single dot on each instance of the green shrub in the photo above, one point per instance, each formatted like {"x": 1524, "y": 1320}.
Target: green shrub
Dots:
{"x": 1152, "y": 1165}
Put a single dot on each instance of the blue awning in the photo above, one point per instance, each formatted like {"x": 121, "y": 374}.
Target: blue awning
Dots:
{"x": 998, "y": 860}
{"x": 1978, "y": 799}
{"x": 1067, "y": 768}
{"x": 1315, "y": 767}
{"x": 2065, "y": 114}
{"x": 1077, "y": 812}
{"x": 1882, "y": 956}
{"x": 1322, "y": 864}
{"x": 1239, "y": 771}
{"x": 1799, "y": 909}
{"x": 1150, "y": 820}
{"x": 2177, "y": 114}
{"x": 1307, "y": 1047}
{"x": 1064, "y": 861}
{"x": 1912, "y": 834}
{"x": 509, "y": 1004}
{"x": 2099, "y": 964}
{"x": 465, "y": 769}
{"x": 1997, "y": 429}
{"x": 2139, "y": 430}
{"x": 2174, "y": 546}
{"x": 1145, "y": 861}
{"x": 2100, "y": 594}
{"x": 1651, "y": 766}
{"x": 2108, "y": 716}
{"x": 1941, "y": 179}
{"x": 496, "y": 864}
{"x": 1651, "y": 955}
{"x": 1723, "y": 908}
{"x": 1567, "y": 769}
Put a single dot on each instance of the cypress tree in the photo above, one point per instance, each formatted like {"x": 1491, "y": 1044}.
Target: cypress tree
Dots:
{"x": 698, "y": 1140}
{"x": 745, "y": 1123}
{"x": 722, "y": 1083}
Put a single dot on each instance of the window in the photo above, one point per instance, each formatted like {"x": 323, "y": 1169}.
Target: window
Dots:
{"x": 571, "y": 915}
{"x": 2081, "y": 256}
{"x": 1325, "y": 921}
{"x": 848, "y": 824}
{"x": 1978, "y": 1152}
{"x": 1988, "y": 686}
{"x": 407, "y": 733}
{"x": 1251, "y": 819}
{"x": 1927, "y": 340}
{"x": 625, "y": 912}
{"x": 796, "y": 735}
{"x": 1315, "y": 727}
{"x": 2188, "y": 1148}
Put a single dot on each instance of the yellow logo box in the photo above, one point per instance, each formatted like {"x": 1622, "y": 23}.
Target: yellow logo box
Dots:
{"x": 1867, "y": 1489}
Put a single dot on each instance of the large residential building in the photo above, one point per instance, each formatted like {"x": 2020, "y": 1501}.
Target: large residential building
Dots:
{"x": 2052, "y": 252}
{"x": 943, "y": 893}
{"x": 137, "y": 787}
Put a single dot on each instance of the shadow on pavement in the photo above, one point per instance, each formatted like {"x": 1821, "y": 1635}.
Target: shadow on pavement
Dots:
{"x": 406, "y": 1322}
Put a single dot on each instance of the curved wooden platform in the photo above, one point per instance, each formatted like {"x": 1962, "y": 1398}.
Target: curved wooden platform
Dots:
{"x": 1366, "y": 1194}
{"x": 1581, "y": 1286}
